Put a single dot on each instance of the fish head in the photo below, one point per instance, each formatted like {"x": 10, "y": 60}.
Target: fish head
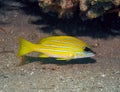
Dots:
{"x": 87, "y": 52}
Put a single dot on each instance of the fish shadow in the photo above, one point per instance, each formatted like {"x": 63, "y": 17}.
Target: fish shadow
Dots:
{"x": 29, "y": 59}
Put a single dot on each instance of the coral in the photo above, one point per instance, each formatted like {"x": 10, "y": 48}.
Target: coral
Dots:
{"x": 85, "y": 8}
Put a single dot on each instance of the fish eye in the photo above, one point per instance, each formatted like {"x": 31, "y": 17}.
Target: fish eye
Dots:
{"x": 87, "y": 49}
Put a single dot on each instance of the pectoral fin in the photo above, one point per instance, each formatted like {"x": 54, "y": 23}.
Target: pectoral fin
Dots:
{"x": 68, "y": 58}
{"x": 43, "y": 56}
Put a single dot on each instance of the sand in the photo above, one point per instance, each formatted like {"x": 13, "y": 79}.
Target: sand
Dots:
{"x": 97, "y": 74}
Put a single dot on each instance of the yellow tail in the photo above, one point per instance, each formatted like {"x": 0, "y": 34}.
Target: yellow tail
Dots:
{"x": 25, "y": 47}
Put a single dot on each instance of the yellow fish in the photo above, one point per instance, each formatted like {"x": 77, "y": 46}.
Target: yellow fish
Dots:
{"x": 60, "y": 47}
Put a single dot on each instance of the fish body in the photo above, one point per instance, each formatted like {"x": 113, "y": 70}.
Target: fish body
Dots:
{"x": 60, "y": 47}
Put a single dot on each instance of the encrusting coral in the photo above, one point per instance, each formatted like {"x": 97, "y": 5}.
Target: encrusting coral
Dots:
{"x": 85, "y": 8}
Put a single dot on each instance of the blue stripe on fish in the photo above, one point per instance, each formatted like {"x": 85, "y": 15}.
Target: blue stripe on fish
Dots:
{"x": 56, "y": 50}
{"x": 62, "y": 42}
{"x": 56, "y": 46}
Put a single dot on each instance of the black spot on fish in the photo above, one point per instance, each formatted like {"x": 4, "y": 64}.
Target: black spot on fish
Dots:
{"x": 88, "y": 50}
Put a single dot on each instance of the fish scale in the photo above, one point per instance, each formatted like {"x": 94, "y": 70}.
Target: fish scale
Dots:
{"x": 62, "y": 39}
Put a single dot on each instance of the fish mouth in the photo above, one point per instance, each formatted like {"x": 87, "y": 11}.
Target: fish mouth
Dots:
{"x": 85, "y": 54}
{"x": 89, "y": 54}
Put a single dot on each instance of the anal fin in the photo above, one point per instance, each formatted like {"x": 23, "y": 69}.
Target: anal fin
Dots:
{"x": 43, "y": 56}
{"x": 66, "y": 59}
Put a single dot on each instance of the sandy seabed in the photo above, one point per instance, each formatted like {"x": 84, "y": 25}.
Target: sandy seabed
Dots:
{"x": 98, "y": 74}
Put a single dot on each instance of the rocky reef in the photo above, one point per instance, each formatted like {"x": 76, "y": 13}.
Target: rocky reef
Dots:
{"x": 86, "y": 9}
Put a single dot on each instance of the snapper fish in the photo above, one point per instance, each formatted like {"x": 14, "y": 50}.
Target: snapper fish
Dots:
{"x": 59, "y": 47}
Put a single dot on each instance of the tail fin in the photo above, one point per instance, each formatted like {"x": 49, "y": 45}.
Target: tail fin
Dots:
{"x": 25, "y": 47}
